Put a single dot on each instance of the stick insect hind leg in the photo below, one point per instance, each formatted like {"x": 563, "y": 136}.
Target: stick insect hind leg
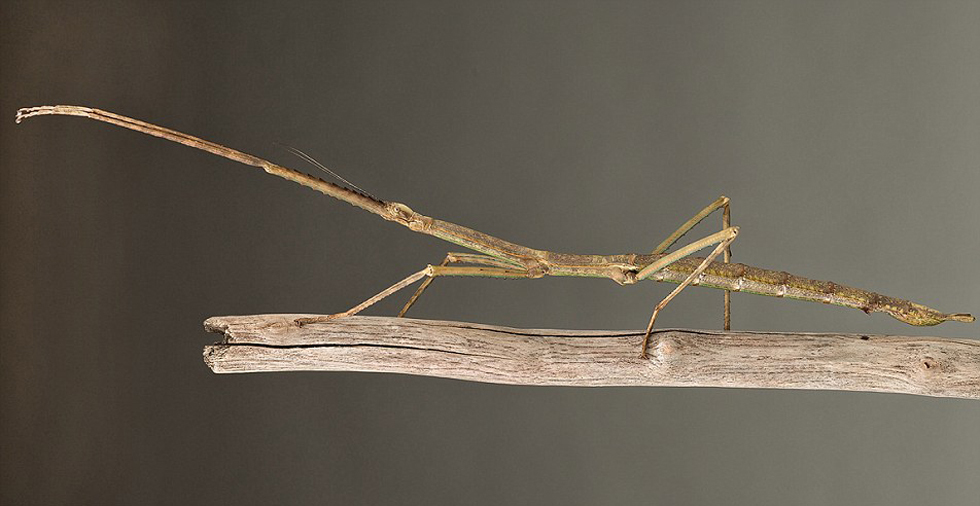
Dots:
{"x": 726, "y": 222}
{"x": 723, "y": 239}
{"x": 429, "y": 272}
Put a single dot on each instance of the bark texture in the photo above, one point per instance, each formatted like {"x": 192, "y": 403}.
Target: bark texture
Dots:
{"x": 694, "y": 358}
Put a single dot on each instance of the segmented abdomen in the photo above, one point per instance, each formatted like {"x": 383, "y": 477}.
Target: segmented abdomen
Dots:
{"x": 745, "y": 278}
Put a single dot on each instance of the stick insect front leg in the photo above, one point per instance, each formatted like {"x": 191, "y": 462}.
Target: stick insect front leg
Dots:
{"x": 726, "y": 221}
{"x": 430, "y": 271}
{"x": 723, "y": 239}
{"x": 468, "y": 258}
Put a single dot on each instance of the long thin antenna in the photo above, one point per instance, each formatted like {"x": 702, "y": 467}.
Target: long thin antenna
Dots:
{"x": 312, "y": 161}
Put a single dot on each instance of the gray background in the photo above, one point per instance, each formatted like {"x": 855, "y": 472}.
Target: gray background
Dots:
{"x": 846, "y": 134}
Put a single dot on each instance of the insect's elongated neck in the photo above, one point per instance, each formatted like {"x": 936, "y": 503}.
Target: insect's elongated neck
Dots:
{"x": 538, "y": 263}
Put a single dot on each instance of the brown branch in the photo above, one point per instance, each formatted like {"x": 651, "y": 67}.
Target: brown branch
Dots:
{"x": 703, "y": 358}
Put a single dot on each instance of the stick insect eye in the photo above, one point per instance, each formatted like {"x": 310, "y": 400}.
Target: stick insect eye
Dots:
{"x": 402, "y": 209}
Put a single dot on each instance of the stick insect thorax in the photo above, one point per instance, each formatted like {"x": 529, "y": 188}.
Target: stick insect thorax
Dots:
{"x": 624, "y": 269}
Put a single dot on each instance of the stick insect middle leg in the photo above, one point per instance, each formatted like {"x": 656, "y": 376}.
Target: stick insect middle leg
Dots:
{"x": 430, "y": 271}
{"x": 726, "y": 221}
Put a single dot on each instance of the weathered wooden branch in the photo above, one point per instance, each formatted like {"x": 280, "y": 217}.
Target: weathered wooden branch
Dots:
{"x": 703, "y": 358}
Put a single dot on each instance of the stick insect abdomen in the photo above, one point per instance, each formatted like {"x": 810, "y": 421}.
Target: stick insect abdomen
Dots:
{"x": 745, "y": 278}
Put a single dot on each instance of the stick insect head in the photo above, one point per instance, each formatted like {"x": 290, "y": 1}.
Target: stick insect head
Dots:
{"x": 403, "y": 214}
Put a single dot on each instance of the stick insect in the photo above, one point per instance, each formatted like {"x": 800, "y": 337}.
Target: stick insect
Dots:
{"x": 497, "y": 258}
